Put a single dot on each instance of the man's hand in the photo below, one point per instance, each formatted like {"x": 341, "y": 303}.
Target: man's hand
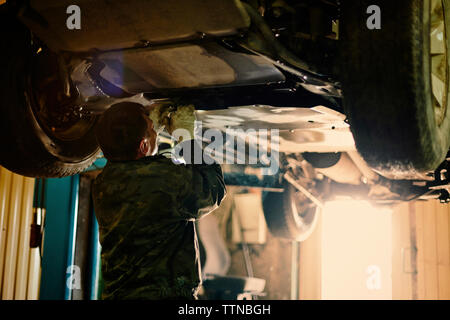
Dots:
{"x": 160, "y": 116}
{"x": 183, "y": 118}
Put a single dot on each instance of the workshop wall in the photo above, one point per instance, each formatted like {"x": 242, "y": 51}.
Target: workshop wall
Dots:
{"x": 421, "y": 265}
{"x": 19, "y": 264}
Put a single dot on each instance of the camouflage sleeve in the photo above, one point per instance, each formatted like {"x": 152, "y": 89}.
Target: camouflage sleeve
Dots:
{"x": 206, "y": 187}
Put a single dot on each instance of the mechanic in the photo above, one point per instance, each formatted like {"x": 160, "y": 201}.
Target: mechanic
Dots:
{"x": 146, "y": 206}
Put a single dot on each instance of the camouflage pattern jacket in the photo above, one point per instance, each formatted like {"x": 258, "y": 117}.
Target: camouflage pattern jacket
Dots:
{"x": 146, "y": 210}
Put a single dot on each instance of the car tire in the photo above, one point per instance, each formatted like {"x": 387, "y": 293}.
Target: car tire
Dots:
{"x": 27, "y": 148}
{"x": 389, "y": 95}
{"x": 283, "y": 218}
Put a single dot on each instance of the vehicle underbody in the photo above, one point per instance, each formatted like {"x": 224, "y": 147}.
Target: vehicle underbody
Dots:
{"x": 243, "y": 65}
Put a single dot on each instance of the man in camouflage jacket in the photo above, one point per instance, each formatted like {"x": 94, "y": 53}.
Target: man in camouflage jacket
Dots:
{"x": 146, "y": 207}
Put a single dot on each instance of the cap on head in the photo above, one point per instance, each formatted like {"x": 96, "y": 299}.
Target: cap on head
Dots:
{"x": 120, "y": 130}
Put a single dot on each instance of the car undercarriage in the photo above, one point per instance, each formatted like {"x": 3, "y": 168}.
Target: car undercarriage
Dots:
{"x": 244, "y": 65}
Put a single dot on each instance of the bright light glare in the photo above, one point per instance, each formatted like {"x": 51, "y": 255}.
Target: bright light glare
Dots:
{"x": 356, "y": 251}
{"x": 355, "y": 206}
